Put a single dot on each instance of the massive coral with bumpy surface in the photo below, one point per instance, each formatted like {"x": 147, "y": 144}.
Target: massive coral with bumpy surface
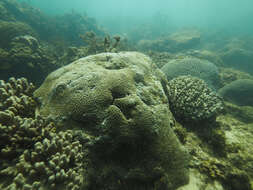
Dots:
{"x": 238, "y": 92}
{"x": 120, "y": 100}
{"x": 200, "y": 68}
{"x": 192, "y": 100}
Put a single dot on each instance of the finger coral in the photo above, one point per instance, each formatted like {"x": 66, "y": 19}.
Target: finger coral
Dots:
{"x": 32, "y": 154}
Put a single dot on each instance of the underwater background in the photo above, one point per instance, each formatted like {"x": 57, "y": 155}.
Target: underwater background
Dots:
{"x": 129, "y": 95}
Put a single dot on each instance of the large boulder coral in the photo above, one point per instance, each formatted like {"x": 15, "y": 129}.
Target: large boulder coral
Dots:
{"x": 200, "y": 68}
{"x": 185, "y": 39}
{"x": 207, "y": 55}
{"x": 237, "y": 54}
{"x": 238, "y": 92}
{"x": 118, "y": 99}
{"x": 191, "y": 100}
{"x": 228, "y": 75}
{"x": 27, "y": 57}
{"x": 238, "y": 58}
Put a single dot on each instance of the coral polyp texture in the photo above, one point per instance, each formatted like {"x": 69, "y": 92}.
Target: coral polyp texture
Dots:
{"x": 192, "y": 100}
{"x": 195, "y": 67}
{"x": 33, "y": 155}
{"x": 120, "y": 100}
{"x": 55, "y": 162}
{"x": 16, "y": 106}
{"x": 15, "y": 98}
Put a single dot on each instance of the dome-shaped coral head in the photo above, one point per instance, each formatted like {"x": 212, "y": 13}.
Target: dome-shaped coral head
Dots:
{"x": 191, "y": 100}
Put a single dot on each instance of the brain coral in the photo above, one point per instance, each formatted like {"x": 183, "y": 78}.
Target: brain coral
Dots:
{"x": 192, "y": 100}
{"x": 192, "y": 66}
{"x": 119, "y": 99}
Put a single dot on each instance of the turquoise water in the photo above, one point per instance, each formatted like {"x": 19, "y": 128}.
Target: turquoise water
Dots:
{"x": 120, "y": 15}
{"x": 126, "y": 95}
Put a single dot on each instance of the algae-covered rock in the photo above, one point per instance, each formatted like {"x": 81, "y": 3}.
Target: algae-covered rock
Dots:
{"x": 207, "y": 55}
{"x": 120, "y": 100}
{"x": 160, "y": 58}
{"x": 237, "y": 54}
{"x": 176, "y": 42}
{"x": 26, "y": 57}
{"x": 185, "y": 39}
{"x": 240, "y": 59}
{"x": 4, "y": 62}
{"x": 9, "y": 30}
{"x": 238, "y": 92}
{"x": 239, "y": 152}
{"x": 4, "y": 13}
{"x": 27, "y": 40}
{"x": 212, "y": 171}
{"x": 242, "y": 113}
{"x": 200, "y": 68}
{"x": 200, "y": 181}
{"x": 228, "y": 75}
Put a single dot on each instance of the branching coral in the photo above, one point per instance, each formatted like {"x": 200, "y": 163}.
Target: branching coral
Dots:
{"x": 15, "y": 99}
{"x": 97, "y": 44}
{"x": 192, "y": 100}
{"x": 32, "y": 154}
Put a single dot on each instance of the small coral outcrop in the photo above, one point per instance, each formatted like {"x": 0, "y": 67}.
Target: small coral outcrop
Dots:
{"x": 9, "y": 30}
{"x": 200, "y": 68}
{"x": 237, "y": 54}
{"x": 176, "y": 42}
{"x": 192, "y": 100}
{"x": 238, "y": 92}
{"x": 26, "y": 56}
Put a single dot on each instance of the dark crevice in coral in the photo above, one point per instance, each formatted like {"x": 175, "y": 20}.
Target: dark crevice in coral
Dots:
{"x": 116, "y": 95}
